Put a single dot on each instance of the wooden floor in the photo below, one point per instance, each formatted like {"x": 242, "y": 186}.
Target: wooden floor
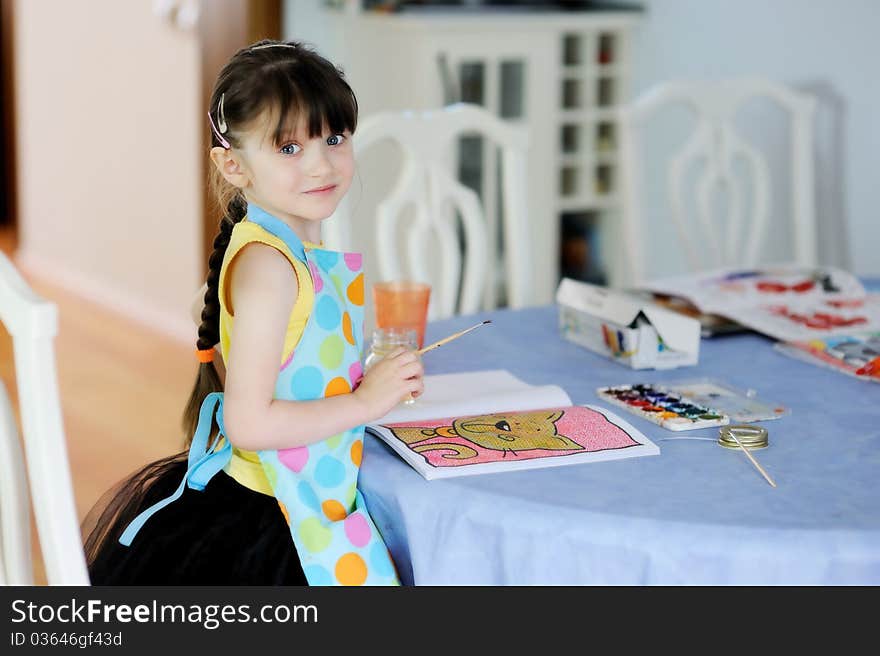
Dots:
{"x": 122, "y": 389}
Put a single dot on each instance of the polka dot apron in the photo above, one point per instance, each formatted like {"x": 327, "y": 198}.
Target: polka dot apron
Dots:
{"x": 315, "y": 485}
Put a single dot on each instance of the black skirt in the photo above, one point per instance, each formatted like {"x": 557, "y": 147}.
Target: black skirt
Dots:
{"x": 225, "y": 534}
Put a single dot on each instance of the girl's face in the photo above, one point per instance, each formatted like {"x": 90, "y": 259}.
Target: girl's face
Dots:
{"x": 302, "y": 179}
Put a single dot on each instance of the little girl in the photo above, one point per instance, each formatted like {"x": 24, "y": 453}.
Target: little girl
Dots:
{"x": 267, "y": 493}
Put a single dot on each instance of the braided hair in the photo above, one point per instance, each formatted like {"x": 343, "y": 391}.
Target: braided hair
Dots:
{"x": 207, "y": 379}
{"x": 289, "y": 80}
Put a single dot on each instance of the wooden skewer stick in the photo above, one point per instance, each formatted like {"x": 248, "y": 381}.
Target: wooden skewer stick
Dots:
{"x": 752, "y": 458}
{"x": 443, "y": 341}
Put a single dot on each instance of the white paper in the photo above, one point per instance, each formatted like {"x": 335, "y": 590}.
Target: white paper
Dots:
{"x": 474, "y": 393}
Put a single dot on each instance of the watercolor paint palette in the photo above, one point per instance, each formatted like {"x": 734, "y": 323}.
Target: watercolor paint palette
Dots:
{"x": 663, "y": 406}
{"x": 743, "y": 407}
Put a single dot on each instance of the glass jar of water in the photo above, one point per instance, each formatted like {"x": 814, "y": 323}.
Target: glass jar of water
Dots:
{"x": 386, "y": 340}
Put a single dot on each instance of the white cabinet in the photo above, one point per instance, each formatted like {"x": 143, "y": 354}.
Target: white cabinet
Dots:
{"x": 561, "y": 74}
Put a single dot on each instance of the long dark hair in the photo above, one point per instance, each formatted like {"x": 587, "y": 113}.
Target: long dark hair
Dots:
{"x": 289, "y": 81}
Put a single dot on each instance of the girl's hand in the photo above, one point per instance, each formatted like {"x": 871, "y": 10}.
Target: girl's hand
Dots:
{"x": 390, "y": 381}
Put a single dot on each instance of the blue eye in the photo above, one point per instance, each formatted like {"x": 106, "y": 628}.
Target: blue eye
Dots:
{"x": 290, "y": 149}
{"x": 335, "y": 139}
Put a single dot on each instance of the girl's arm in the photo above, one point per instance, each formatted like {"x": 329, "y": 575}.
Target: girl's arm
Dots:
{"x": 263, "y": 291}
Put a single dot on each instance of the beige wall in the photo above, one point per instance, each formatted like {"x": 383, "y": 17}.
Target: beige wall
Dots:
{"x": 108, "y": 140}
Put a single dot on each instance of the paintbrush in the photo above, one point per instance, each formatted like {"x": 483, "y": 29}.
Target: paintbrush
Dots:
{"x": 443, "y": 341}
{"x": 752, "y": 458}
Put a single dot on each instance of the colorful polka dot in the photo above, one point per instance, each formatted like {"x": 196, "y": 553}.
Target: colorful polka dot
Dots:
{"x": 351, "y": 570}
{"x": 307, "y": 496}
{"x": 356, "y": 290}
{"x": 350, "y": 494}
{"x": 317, "y": 575}
{"x": 288, "y": 360}
{"x": 327, "y": 313}
{"x": 315, "y": 537}
{"x": 333, "y": 510}
{"x": 337, "y": 386}
{"x": 354, "y": 261}
{"x": 357, "y": 452}
{"x": 357, "y": 529}
{"x": 346, "y": 328}
{"x": 326, "y": 260}
{"x": 324, "y": 493}
{"x": 331, "y": 351}
{"x": 294, "y": 459}
{"x": 355, "y": 372}
{"x": 307, "y": 383}
{"x": 337, "y": 283}
{"x": 329, "y": 472}
{"x": 317, "y": 281}
{"x": 380, "y": 560}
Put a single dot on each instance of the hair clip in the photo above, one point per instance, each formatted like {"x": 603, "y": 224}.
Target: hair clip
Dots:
{"x": 221, "y": 120}
{"x": 221, "y": 115}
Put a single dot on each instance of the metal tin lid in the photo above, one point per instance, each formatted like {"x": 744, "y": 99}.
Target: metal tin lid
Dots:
{"x": 751, "y": 437}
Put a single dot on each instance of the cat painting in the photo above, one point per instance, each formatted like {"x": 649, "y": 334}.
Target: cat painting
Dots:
{"x": 511, "y": 435}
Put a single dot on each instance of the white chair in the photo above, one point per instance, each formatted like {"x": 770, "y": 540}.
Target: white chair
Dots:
{"x": 712, "y": 149}
{"x": 417, "y": 233}
{"x": 33, "y": 323}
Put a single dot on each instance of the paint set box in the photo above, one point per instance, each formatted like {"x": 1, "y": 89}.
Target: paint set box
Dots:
{"x": 632, "y": 331}
{"x": 663, "y": 407}
{"x": 686, "y": 405}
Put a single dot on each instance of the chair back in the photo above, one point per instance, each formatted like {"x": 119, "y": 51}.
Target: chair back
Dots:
{"x": 716, "y": 152}
{"x": 32, "y": 322}
{"x": 431, "y": 227}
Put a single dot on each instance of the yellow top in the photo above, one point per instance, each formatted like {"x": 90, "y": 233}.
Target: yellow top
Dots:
{"x": 245, "y": 466}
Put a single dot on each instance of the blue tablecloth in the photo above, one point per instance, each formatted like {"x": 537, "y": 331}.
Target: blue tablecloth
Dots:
{"x": 695, "y": 514}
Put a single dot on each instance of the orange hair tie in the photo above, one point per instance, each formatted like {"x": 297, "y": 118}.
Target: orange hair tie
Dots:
{"x": 205, "y": 355}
